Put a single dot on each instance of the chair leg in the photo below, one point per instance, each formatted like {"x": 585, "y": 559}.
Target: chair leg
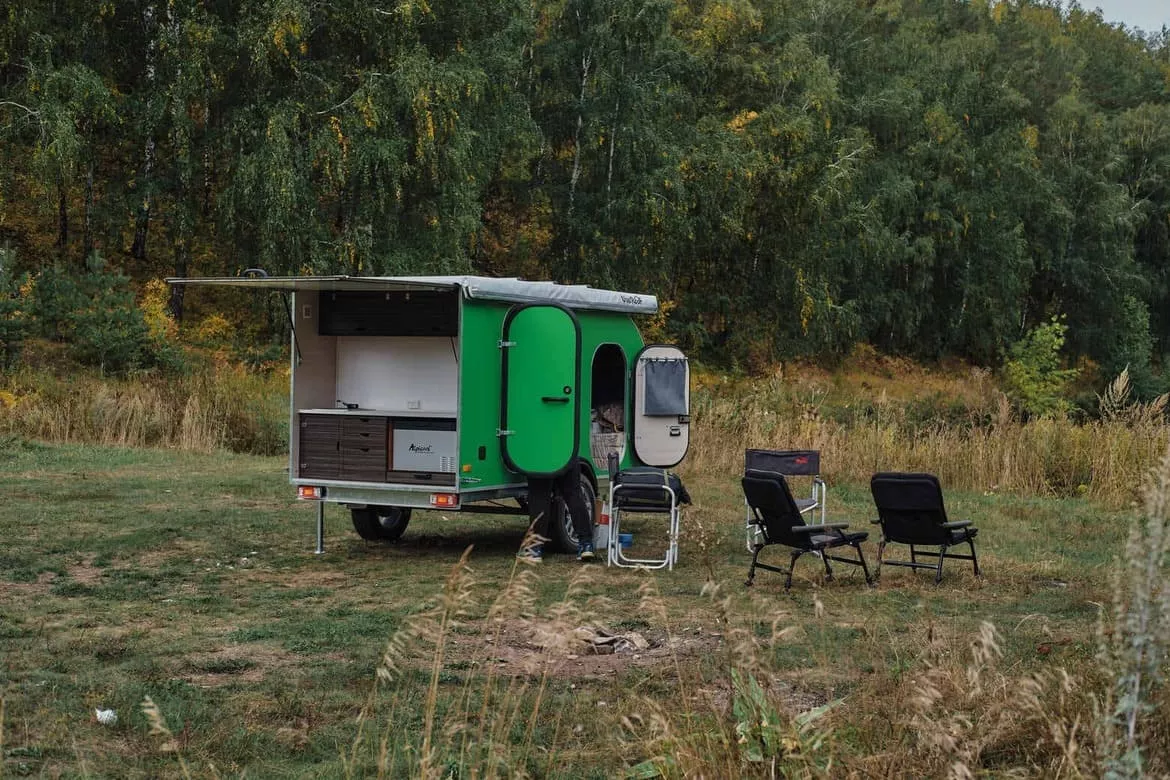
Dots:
{"x": 792, "y": 568}
{"x": 828, "y": 568}
{"x": 881, "y": 550}
{"x": 913, "y": 555}
{"x": 938, "y": 574}
{"x": 974, "y": 559}
{"x": 864, "y": 568}
{"x": 752, "y": 571}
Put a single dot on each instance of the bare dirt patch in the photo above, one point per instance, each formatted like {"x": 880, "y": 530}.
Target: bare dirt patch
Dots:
{"x": 241, "y": 664}
{"x": 11, "y": 591}
{"x": 518, "y": 647}
{"x": 84, "y": 572}
{"x": 185, "y": 549}
{"x": 305, "y": 578}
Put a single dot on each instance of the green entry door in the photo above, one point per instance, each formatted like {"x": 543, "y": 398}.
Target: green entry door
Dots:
{"x": 540, "y": 414}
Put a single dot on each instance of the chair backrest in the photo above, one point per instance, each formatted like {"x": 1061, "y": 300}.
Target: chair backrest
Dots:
{"x": 790, "y": 463}
{"x": 910, "y": 507}
{"x": 773, "y": 508}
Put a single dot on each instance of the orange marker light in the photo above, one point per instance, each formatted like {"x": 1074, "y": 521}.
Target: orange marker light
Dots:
{"x": 444, "y": 499}
{"x": 308, "y": 493}
{"x": 466, "y": 468}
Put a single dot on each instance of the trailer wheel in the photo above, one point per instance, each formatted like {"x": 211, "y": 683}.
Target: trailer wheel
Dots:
{"x": 380, "y": 523}
{"x": 564, "y": 535}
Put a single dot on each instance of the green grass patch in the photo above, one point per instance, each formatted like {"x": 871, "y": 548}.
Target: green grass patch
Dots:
{"x": 191, "y": 579}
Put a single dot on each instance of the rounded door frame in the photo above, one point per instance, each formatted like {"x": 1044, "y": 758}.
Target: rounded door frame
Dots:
{"x": 504, "y": 366}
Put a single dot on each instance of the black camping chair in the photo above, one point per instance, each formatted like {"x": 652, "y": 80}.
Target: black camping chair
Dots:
{"x": 780, "y": 521}
{"x": 910, "y": 511}
{"x": 787, "y": 463}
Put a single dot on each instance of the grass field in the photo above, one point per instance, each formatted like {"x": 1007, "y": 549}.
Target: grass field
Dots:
{"x": 190, "y": 579}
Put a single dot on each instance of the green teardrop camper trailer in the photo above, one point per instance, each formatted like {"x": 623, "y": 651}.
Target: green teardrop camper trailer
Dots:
{"x": 450, "y": 392}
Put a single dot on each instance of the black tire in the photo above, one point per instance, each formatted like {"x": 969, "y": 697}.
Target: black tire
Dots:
{"x": 564, "y": 535}
{"x": 380, "y": 523}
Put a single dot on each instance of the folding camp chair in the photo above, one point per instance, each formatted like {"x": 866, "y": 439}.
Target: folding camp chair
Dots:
{"x": 644, "y": 490}
{"x": 787, "y": 463}
{"x": 780, "y": 521}
{"x": 910, "y": 511}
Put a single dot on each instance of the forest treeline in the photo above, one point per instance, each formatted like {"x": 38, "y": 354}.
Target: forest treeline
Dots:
{"x": 933, "y": 177}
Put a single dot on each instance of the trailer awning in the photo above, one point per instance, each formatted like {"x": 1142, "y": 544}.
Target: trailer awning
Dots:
{"x": 573, "y": 296}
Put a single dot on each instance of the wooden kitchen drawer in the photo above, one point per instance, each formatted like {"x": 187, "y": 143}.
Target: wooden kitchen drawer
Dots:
{"x": 363, "y": 426}
{"x": 363, "y": 460}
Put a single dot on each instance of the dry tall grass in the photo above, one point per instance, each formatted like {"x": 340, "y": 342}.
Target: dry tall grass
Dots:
{"x": 983, "y": 447}
{"x": 973, "y": 443}
{"x": 219, "y": 407}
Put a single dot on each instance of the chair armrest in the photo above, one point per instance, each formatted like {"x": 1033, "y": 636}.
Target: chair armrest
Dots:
{"x": 956, "y": 524}
{"x": 796, "y": 529}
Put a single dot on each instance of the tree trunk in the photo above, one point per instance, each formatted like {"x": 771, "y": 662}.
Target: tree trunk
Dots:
{"x": 182, "y": 262}
{"x": 87, "y": 215}
{"x": 142, "y": 224}
{"x": 62, "y": 217}
{"x": 586, "y": 63}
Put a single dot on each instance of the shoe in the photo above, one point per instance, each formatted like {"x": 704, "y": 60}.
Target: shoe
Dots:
{"x": 531, "y": 554}
{"x": 585, "y": 551}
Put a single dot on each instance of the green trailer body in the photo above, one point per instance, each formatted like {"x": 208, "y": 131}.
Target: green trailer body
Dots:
{"x": 448, "y": 392}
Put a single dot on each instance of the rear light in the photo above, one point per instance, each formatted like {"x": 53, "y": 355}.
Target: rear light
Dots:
{"x": 444, "y": 499}
{"x": 306, "y": 493}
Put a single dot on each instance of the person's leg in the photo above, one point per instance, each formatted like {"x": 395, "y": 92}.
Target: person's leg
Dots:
{"x": 541, "y": 507}
{"x": 569, "y": 486}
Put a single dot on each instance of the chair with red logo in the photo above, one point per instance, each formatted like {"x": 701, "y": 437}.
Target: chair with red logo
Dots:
{"x": 788, "y": 464}
{"x": 779, "y": 521}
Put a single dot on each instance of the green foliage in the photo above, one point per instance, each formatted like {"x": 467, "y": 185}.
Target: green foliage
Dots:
{"x": 1133, "y": 347}
{"x": 793, "y": 178}
{"x": 96, "y": 315}
{"x": 759, "y": 728}
{"x": 56, "y": 294}
{"x": 14, "y": 320}
{"x": 1033, "y": 376}
{"x": 107, "y": 330}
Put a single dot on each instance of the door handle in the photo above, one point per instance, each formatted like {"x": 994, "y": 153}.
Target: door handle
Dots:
{"x": 555, "y": 399}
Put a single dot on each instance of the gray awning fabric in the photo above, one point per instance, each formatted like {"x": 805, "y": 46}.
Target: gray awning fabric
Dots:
{"x": 299, "y": 283}
{"x": 573, "y": 296}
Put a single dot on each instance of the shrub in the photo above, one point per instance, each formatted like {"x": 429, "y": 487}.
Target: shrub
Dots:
{"x": 1033, "y": 377}
{"x": 13, "y": 319}
{"x": 55, "y": 296}
{"x": 108, "y": 330}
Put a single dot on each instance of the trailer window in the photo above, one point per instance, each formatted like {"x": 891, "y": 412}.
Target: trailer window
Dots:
{"x": 666, "y": 387}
